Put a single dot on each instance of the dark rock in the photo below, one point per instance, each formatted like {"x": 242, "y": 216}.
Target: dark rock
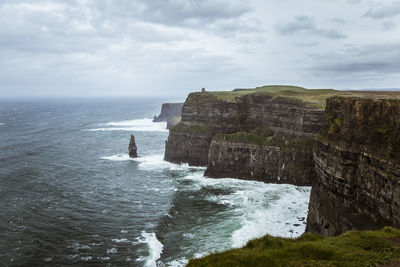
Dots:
{"x": 296, "y": 224}
{"x": 132, "y": 147}
{"x": 266, "y": 163}
{"x": 357, "y": 160}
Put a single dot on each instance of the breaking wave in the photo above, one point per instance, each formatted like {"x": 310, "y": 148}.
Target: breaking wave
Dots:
{"x": 141, "y": 125}
{"x": 155, "y": 248}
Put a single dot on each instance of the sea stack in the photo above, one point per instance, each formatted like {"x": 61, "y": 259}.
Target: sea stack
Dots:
{"x": 132, "y": 147}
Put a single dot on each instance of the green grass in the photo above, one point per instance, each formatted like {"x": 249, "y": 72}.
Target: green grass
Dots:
{"x": 312, "y": 97}
{"x": 354, "y": 248}
{"x": 268, "y": 139}
{"x": 196, "y": 129}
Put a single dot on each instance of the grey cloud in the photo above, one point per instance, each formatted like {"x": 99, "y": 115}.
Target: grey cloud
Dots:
{"x": 338, "y": 21}
{"x": 384, "y": 11}
{"x": 354, "y": 1}
{"x": 306, "y": 25}
{"x": 193, "y": 11}
{"x": 182, "y": 13}
{"x": 388, "y": 25}
{"x": 367, "y": 60}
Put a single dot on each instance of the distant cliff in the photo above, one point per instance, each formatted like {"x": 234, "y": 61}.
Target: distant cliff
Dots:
{"x": 357, "y": 158}
{"x": 170, "y": 113}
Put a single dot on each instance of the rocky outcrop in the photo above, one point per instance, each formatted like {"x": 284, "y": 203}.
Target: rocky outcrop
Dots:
{"x": 357, "y": 159}
{"x": 132, "y": 147}
{"x": 170, "y": 113}
{"x": 273, "y": 160}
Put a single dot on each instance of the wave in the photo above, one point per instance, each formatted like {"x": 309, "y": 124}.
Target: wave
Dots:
{"x": 141, "y": 125}
{"x": 258, "y": 208}
{"x": 152, "y": 162}
{"x": 118, "y": 157}
{"x": 155, "y": 248}
{"x": 2, "y": 123}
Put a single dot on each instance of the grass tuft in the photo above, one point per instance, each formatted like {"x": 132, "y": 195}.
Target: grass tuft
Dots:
{"x": 354, "y": 248}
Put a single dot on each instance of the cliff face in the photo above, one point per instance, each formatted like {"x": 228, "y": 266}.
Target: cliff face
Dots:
{"x": 288, "y": 162}
{"x": 206, "y": 114}
{"x": 357, "y": 159}
{"x": 188, "y": 145}
{"x": 252, "y": 111}
{"x": 170, "y": 113}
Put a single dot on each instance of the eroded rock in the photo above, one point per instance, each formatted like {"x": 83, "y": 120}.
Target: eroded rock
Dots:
{"x": 132, "y": 147}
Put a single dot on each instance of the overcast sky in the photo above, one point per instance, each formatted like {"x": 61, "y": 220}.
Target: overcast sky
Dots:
{"x": 172, "y": 47}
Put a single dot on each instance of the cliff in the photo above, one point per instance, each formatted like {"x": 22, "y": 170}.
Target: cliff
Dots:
{"x": 258, "y": 111}
{"x": 170, "y": 113}
{"x": 267, "y": 159}
{"x": 283, "y": 120}
{"x": 357, "y": 160}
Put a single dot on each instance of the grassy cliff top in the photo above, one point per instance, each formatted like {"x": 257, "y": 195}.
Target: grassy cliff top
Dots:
{"x": 312, "y": 97}
{"x": 354, "y": 248}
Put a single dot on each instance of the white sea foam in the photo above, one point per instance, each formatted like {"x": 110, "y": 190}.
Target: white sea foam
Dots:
{"x": 142, "y": 125}
{"x": 155, "y": 248}
{"x": 118, "y": 157}
{"x": 261, "y": 209}
{"x": 120, "y": 240}
{"x": 157, "y": 162}
{"x": 152, "y": 162}
{"x": 112, "y": 251}
{"x": 275, "y": 216}
{"x": 178, "y": 263}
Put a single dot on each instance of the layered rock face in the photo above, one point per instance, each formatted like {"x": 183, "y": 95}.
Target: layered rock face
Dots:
{"x": 270, "y": 163}
{"x": 170, "y": 113}
{"x": 188, "y": 145}
{"x": 357, "y": 159}
{"x": 249, "y": 112}
{"x": 205, "y": 115}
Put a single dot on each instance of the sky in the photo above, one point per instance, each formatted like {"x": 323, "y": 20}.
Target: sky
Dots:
{"x": 173, "y": 47}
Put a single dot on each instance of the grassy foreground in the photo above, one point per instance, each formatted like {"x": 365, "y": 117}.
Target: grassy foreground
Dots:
{"x": 354, "y": 248}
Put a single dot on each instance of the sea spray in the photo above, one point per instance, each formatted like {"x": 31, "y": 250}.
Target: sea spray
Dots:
{"x": 155, "y": 248}
{"x": 141, "y": 125}
{"x": 153, "y": 162}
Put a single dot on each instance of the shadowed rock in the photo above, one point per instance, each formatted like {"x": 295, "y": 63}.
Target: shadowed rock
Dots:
{"x": 357, "y": 159}
{"x": 132, "y": 147}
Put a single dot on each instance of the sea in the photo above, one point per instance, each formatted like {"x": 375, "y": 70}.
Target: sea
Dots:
{"x": 70, "y": 194}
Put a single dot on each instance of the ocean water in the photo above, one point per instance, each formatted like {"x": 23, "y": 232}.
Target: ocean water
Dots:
{"x": 70, "y": 194}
